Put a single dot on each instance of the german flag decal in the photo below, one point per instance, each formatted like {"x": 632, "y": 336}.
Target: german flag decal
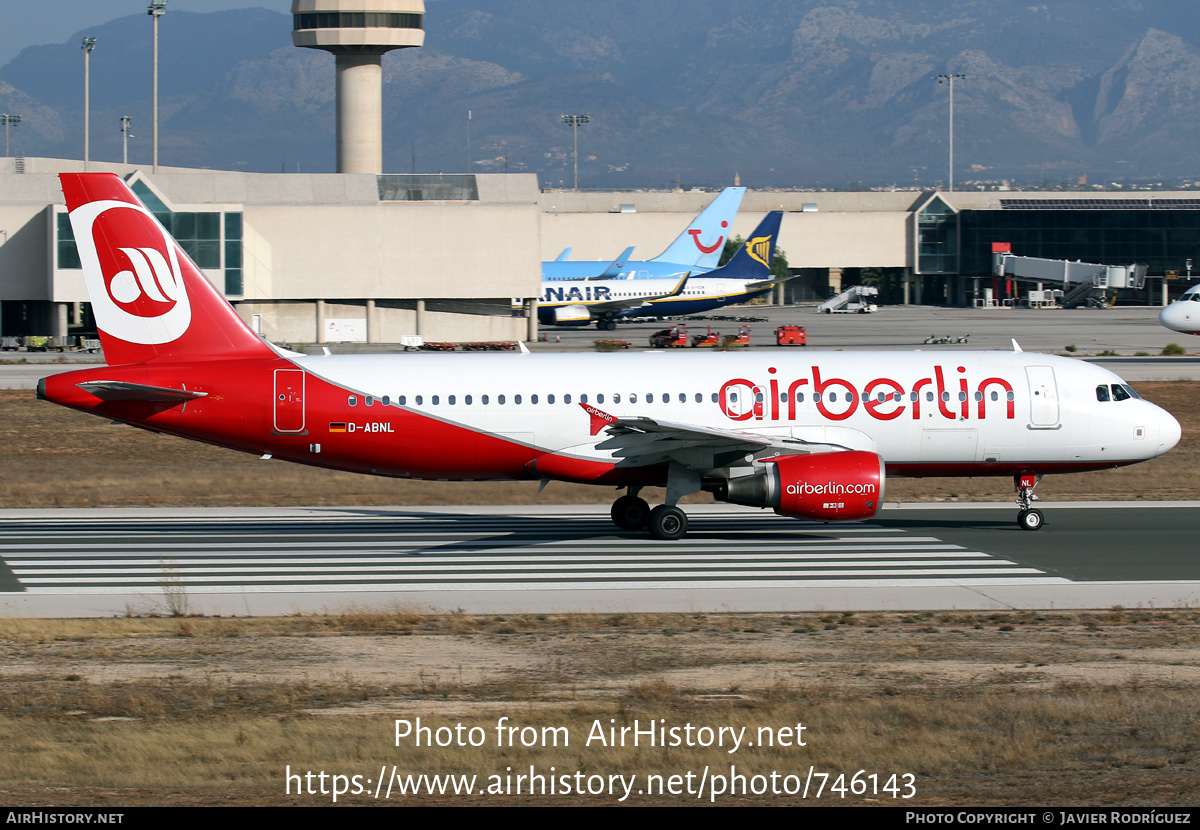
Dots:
{"x": 337, "y": 426}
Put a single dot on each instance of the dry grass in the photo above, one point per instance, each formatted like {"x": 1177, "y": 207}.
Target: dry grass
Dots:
{"x": 983, "y": 708}
{"x": 55, "y": 457}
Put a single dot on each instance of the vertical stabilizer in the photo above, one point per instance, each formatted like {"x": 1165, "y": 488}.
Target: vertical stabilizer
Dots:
{"x": 150, "y": 300}
{"x": 700, "y": 246}
{"x": 753, "y": 260}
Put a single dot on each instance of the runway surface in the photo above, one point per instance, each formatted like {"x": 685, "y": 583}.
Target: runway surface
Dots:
{"x": 523, "y": 559}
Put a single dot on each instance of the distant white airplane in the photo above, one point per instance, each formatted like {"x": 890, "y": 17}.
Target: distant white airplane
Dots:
{"x": 811, "y": 436}
{"x": 1183, "y": 315}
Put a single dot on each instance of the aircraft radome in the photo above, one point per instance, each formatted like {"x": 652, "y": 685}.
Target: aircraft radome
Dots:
{"x": 811, "y": 436}
{"x": 1183, "y": 315}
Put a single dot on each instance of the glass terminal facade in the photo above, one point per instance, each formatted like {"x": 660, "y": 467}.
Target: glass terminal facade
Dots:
{"x": 198, "y": 234}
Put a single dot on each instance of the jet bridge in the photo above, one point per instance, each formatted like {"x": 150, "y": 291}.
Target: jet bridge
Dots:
{"x": 1078, "y": 283}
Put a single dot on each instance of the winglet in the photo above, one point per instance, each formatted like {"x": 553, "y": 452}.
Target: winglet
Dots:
{"x": 614, "y": 268}
{"x": 682, "y": 284}
{"x": 1016, "y": 347}
{"x": 600, "y": 419}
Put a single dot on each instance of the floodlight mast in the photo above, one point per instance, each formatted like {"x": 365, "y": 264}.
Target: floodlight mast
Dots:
{"x": 156, "y": 10}
{"x": 573, "y": 121}
{"x": 8, "y": 119}
{"x": 89, "y": 43}
{"x": 949, "y": 79}
{"x": 126, "y": 126}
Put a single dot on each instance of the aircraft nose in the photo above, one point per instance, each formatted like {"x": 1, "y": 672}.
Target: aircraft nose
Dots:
{"x": 1169, "y": 431}
{"x": 1178, "y": 317}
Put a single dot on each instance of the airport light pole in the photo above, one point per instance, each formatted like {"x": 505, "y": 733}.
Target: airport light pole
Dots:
{"x": 89, "y": 43}
{"x": 949, "y": 80}
{"x": 156, "y": 10}
{"x": 126, "y": 126}
{"x": 8, "y": 119}
{"x": 573, "y": 121}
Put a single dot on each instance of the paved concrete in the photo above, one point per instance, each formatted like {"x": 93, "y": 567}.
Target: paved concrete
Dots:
{"x": 538, "y": 559}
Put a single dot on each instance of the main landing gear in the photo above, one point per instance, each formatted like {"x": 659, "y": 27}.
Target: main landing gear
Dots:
{"x": 1029, "y": 518}
{"x": 666, "y": 521}
{"x": 606, "y": 324}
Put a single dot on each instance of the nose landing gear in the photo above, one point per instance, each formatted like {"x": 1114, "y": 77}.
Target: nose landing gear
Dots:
{"x": 1028, "y": 518}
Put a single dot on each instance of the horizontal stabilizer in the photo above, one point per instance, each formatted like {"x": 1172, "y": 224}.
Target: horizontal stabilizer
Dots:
{"x": 119, "y": 390}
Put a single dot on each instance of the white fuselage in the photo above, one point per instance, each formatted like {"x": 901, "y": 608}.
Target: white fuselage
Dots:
{"x": 923, "y": 412}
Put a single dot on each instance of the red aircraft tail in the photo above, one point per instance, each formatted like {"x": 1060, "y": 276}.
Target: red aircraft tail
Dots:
{"x": 150, "y": 300}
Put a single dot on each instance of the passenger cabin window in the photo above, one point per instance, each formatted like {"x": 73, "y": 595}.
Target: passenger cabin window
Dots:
{"x": 352, "y": 401}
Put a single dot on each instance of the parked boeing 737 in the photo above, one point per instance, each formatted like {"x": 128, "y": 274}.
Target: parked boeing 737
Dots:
{"x": 696, "y": 250}
{"x": 811, "y": 436}
{"x": 746, "y": 276}
{"x": 1183, "y": 315}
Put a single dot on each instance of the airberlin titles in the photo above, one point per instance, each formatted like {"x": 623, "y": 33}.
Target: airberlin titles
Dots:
{"x": 884, "y": 399}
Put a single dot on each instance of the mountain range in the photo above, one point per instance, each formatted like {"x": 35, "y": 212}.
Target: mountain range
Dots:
{"x": 783, "y": 93}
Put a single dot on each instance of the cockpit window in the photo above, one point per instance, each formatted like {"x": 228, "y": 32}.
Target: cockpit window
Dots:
{"x": 1102, "y": 393}
{"x": 1120, "y": 392}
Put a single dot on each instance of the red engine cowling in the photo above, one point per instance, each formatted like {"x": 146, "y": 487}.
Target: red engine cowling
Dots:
{"x": 828, "y": 487}
{"x": 835, "y": 486}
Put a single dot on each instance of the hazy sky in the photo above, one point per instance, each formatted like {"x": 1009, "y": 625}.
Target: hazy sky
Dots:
{"x": 37, "y": 22}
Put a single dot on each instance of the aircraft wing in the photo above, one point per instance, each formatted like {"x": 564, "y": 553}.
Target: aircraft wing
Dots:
{"x": 639, "y": 442}
{"x": 625, "y": 303}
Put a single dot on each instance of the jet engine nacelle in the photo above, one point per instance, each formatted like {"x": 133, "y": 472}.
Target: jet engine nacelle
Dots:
{"x": 571, "y": 315}
{"x": 828, "y": 487}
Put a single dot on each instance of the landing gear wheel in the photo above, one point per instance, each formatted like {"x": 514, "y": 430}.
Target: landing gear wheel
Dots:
{"x": 630, "y": 513}
{"x": 1030, "y": 519}
{"x": 668, "y": 523}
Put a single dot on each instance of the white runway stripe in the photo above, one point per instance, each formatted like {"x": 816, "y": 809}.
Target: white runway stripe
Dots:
{"x": 448, "y": 552}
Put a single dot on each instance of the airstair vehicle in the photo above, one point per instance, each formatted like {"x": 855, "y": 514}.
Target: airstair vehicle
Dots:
{"x": 851, "y": 301}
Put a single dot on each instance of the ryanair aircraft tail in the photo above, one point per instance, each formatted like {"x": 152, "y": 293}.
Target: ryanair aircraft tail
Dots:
{"x": 753, "y": 260}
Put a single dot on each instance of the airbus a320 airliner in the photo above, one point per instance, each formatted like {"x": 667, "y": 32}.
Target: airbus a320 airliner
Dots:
{"x": 810, "y": 436}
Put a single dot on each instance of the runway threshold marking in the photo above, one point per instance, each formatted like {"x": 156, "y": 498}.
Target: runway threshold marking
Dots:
{"x": 446, "y": 552}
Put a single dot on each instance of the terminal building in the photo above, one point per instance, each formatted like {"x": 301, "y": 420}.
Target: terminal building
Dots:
{"x": 312, "y": 258}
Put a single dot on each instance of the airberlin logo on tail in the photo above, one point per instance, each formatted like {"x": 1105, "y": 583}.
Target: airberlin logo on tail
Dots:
{"x": 136, "y": 285}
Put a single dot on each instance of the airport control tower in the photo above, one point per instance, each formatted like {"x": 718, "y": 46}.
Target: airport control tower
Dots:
{"x": 358, "y": 32}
